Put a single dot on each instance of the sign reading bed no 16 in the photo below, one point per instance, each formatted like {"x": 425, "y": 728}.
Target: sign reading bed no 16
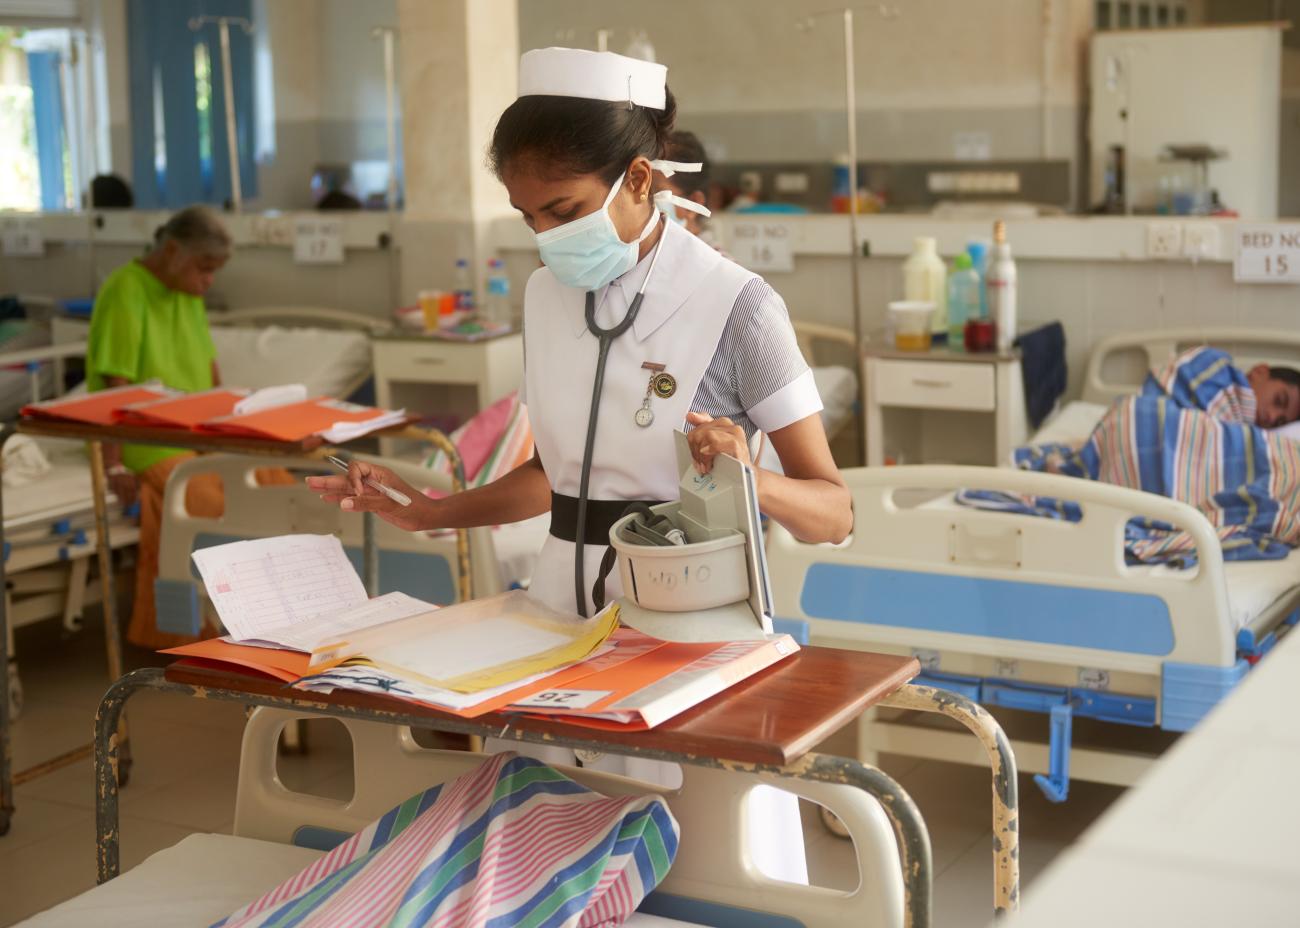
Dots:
{"x": 1267, "y": 254}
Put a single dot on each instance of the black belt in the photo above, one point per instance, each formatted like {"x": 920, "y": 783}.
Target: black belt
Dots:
{"x": 601, "y": 516}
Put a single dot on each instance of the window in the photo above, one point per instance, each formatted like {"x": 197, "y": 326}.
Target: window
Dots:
{"x": 1139, "y": 14}
{"x": 36, "y": 160}
{"x": 178, "y": 107}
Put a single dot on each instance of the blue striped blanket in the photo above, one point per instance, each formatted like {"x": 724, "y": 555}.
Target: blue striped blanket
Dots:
{"x": 511, "y": 843}
{"x": 1190, "y": 436}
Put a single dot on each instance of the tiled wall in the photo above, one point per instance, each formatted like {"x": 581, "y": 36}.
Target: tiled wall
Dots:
{"x": 1091, "y": 299}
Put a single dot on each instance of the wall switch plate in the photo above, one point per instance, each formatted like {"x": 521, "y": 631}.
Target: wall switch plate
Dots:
{"x": 1202, "y": 241}
{"x": 791, "y": 182}
{"x": 1164, "y": 240}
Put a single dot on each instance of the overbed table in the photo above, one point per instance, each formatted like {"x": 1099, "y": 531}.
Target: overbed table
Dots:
{"x": 96, "y": 436}
{"x": 769, "y": 723}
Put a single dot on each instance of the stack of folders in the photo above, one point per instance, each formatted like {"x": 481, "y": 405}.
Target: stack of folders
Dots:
{"x": 296, "y": 611}
{"x": 280, "y": 413}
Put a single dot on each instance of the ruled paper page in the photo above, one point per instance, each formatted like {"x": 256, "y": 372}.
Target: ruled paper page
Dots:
{"x": 268, "y": 584}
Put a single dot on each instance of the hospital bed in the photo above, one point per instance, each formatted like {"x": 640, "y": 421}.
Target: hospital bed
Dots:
{"x": 49, "y": 542}
{"x": 423, "y": 565}
{"x": 1044, "y": 615}
{"x": 837, "y": 384}
{"x": 278, "y": 832}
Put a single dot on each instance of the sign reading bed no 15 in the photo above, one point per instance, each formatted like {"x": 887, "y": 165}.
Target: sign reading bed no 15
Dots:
{"x": 1267, "y": 254}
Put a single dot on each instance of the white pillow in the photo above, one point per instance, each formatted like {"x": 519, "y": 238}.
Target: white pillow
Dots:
{"x": 1291, "y": 431}
{"x": 329, "y": 362}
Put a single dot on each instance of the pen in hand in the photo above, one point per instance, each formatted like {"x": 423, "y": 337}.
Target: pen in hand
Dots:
{"x": 395, "y": 495}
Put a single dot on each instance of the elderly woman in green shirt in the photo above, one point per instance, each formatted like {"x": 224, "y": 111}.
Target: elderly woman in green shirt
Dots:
{"x": 150, "y": 323}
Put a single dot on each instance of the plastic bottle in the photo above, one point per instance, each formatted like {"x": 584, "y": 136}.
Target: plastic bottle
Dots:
{"x": 963, "y": 300}
{"x": 925, "y": 280}
{"x": 496, "y": 305}
{"x": 840, "y": 185}
{"x": 464, "y": 286}
{"x": 1000, "y": 281}
{"x": 979, "y": 259}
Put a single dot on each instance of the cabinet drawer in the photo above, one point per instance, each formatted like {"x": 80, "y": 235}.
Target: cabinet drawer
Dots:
{"x": 428, "y": 362}
{"x": 933, "y": 384}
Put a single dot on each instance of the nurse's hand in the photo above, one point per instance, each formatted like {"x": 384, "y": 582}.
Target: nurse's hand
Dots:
{"x": 711, "y": 437}
{"x": 352, "y": 494}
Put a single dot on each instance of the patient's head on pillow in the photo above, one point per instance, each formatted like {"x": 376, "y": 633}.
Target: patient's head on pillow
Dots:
{"x": 1277, "y": 395}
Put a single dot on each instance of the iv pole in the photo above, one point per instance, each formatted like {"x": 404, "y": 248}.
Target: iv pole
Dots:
{"x": 388, "y": 34}
{"x": 855, "y": 243}
{"x": 227, "y": 84}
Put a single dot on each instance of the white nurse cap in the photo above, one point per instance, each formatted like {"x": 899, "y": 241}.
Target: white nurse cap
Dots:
{"x": 577, "y": 72}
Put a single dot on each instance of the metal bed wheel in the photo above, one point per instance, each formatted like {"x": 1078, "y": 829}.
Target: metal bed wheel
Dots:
{"x": 15, "y": 693}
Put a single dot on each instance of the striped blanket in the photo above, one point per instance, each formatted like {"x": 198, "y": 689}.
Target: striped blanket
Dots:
{"x": 1190, "y": 436}
{"x": 512, "y": 843}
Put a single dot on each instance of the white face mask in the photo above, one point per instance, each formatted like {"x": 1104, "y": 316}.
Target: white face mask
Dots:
{"x": 587, "y": 252}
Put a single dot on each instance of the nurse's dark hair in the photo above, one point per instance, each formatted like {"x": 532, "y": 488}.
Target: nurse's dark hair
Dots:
{"x": 197, "y": 229}
{"x": 570, "y": 135}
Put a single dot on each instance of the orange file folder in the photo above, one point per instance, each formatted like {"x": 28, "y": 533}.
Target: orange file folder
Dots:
{"x": 96, "y": 408}
{"x": 182, "y": 412}
{"x": 294, "y": 421}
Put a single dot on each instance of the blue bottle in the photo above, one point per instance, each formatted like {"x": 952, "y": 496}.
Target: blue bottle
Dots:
{"x": 978, "y": 252}
{"x": 963, "y": 299}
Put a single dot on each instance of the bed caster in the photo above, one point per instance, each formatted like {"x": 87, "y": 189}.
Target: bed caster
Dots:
{"x": 72, "y": 625}
{"x": 5, "y": 816}
{"x": 831, "y": 822}
{"x": 15, "y": 691}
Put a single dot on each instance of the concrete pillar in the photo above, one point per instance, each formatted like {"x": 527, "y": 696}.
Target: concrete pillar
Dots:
{"x": 457, "y": 66}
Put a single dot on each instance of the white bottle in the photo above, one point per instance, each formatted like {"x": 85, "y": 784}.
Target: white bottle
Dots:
{"x": 1000, "y": 284}
{"x": 925, "y": 280}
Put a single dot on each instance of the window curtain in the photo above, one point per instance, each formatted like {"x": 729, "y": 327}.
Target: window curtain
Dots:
{"x": 47, "y": 103}
{"x": 179, "y": 153}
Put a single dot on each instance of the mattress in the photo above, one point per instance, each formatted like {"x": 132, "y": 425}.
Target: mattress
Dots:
{"x": 63, "y": 491}
{"x": 517, "y": 547}
{"x": 329, "y": 362}
{"x": 197, "y": 882}
{"x": 1071, "y": 425}
{"x": 1253, "y": 586}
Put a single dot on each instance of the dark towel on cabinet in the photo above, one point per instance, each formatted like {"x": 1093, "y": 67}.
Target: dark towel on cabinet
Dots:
{"x": 1042, "y": 354}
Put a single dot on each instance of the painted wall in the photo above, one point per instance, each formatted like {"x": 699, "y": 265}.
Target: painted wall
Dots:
{"x": 760, "y": 88}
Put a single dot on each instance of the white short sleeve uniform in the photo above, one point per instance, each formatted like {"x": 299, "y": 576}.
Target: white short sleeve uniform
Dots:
{"x": 725, "y": 337}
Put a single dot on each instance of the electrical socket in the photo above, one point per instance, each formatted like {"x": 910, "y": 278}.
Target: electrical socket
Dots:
{"x": 1164, "y": 240}
{"x": 1202, "y": 241}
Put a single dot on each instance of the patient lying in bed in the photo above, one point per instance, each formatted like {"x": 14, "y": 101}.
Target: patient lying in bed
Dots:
{"x": 1198, "y": 433}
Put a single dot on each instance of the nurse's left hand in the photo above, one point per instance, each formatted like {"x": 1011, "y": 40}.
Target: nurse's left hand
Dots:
{"x": 711, "y": 437}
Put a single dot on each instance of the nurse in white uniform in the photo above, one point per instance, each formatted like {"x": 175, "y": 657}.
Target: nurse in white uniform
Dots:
{"x": 632, "y": 329}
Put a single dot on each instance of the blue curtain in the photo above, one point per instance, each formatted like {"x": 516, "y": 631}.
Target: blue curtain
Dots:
{"x": 47, "y": 101}
{"x": 162, "y": 52}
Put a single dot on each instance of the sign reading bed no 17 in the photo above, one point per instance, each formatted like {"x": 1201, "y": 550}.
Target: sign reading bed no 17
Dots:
{"x": 1267, "y": 254}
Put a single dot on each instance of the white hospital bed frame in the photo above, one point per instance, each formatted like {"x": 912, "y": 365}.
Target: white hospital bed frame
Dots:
{"x": 48, "y": 554}
{"x": 1026, "y": 612}
{"x": 253, "y": 511}
{"x": 712, "y": 881}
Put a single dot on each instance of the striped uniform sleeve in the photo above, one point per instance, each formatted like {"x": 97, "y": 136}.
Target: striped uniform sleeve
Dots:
{"x": 769, "y": 374}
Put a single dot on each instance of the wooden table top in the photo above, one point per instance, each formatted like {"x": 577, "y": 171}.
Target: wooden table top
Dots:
{"x": 774, "y": 717}
{"x": 181, "y": 438}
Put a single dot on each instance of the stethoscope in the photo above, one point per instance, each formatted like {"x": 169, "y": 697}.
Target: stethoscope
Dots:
{"x": 606, "y": 337}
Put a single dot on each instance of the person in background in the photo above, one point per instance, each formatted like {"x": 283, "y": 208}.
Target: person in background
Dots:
{"x": 686, "y": 148}
{"x": 109, "y": 191}
{"x": 150, "y": 323}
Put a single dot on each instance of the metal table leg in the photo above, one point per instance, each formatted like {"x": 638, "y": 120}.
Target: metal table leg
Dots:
{"x": 107, "y": 587}
{"x": 909, "y": 828}
{"x": 369, "y": 554}
{"x": 6, "y": 749}
{"x": 1006, "y": 808}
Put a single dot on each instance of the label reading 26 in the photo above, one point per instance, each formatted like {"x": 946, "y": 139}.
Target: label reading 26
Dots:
{"x": 563, "y": 699}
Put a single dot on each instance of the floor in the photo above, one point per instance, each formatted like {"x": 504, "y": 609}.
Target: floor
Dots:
{"x": 186, "y": 756}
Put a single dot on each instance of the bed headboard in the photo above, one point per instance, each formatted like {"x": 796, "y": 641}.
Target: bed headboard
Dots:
{"x": 1118, "y": 364}
{"x": 317, "y": 317}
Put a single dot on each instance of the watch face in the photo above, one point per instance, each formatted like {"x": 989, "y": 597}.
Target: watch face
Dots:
{"x": 644, "y": 417}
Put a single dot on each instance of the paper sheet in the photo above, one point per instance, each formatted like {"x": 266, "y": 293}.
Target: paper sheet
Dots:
{"x": 478, "y": 644}
{"x": 326, "y": 629}
{"x": 269, "y": 583}
{"x": 342, "y": 432}
{"x": 269, "y": 397}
